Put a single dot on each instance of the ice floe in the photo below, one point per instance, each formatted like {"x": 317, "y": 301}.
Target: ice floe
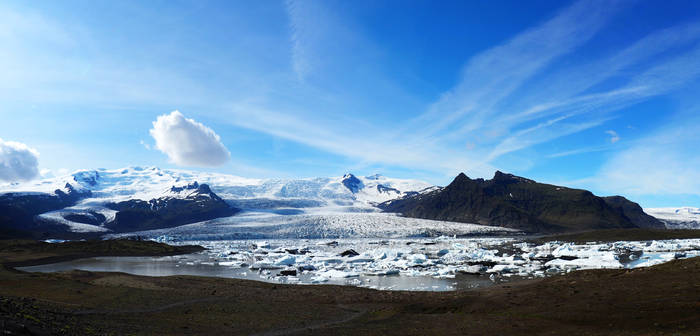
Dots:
{"x": 435, "y": 263}
{"x": 442, "y": 257}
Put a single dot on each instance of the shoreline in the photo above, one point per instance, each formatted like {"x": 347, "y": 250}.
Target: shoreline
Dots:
{"x": 73, "y": 250}
{"x": 661, "y": 299}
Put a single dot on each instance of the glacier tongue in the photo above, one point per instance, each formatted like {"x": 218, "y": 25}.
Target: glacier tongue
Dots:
{"x": 677, "y": 218}
{"x": 281, "y": 197}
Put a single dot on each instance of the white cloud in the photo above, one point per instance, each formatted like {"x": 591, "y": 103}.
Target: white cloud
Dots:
{"x": 491, "y": 76}
{"x": 187, "y": 142}
{"x": 516, "y": 95}
{"x": 614, "y": 137}
{"x": 18, "y": 162}
{"x": 663, "y": 163}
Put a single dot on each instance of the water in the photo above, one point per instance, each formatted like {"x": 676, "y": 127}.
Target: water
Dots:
{"x": 200, "y": 264}
{"x": 419, "y": 264}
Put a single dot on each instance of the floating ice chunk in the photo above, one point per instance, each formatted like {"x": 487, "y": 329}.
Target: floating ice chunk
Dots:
{"x": 502, "y": 269}
{"x": 54, "y": 241}
{"x": 382, "y": 272}
{"x": 338, "y": 274}
{"x": 417, "y": 258}
{"x": 264, "y": 265}
{"x": 590, "y": 261}
{"x": 473, "y": 269}
{"x": 442, "y": 252}
{"x": 445, "y": 272}
{"x": 306, "y": 267}
{"x": 329, "y": 260}
{"x": 318, "y": 279}
{"x": 287, "y": 260}
{"x": 360, "y": 259}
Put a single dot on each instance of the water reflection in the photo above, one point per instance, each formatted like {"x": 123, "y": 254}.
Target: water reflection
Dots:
{"x": 201, "y": 265}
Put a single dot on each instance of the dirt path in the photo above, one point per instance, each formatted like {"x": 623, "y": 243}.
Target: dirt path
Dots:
{"x": 313, "y": 327}
{"x": 147, "y": 310}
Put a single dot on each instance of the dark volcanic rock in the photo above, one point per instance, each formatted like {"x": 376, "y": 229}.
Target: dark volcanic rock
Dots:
{"x": 349, "y": 253}
{"x": 515, "y": 202}
{"x": 199, "y": 205}
{"x": 18, "y": 211}
{"x": 352, "y": 183}
{"x": 384, "y": 189}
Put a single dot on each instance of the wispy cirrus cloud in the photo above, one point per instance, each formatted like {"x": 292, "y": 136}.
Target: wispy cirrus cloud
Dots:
{"x": 614, "y": 137}
{"x": 513, "y": 96}
{"x": 665, "y": 162}
{"x": 491, "y": 76}
{"x": 368, "y": 144}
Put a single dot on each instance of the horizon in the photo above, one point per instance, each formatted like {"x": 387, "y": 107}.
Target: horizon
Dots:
{"x": 592, "y": 95}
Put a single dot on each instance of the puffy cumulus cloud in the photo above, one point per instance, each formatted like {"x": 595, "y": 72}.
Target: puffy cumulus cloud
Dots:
{"x": 187, "y": 142}
{"x": 18, "y": 162}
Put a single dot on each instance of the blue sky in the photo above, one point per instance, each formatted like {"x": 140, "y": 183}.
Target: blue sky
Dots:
{"x": 601, "y": 95}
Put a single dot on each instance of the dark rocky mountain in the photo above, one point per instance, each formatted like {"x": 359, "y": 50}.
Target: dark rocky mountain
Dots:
{"x": 18, "y": 211}
{"x": 351, "y": 182}
{"x": 199, "y": 204}
{"x": 634, "y": 212}
{"x": 519, "y": 203}
{"x": 384, "y": 189}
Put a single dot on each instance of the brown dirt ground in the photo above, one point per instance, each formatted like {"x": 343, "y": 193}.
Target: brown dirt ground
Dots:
{"x": 660, "y": 300}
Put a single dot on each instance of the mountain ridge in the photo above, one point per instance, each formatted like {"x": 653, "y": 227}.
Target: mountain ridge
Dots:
{"x": 516, "y": 202}
{"x": 144, "y": 198}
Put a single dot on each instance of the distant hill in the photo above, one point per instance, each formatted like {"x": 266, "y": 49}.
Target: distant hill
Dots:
{"x": 515, "y": 202}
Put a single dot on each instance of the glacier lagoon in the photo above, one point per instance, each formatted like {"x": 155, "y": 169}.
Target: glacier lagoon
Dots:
{"x": 419, "y": 264}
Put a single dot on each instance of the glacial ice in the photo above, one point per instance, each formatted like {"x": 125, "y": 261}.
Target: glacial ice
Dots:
{"x": 497, "y": 259}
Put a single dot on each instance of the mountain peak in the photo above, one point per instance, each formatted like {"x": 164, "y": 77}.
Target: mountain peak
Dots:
{"x": 192, "y": 186}
{"x": 462, "y": 176}
{"x": 500, "y": 176}
{"x": 352, "y": 183}
{"x": 519, "y": 203}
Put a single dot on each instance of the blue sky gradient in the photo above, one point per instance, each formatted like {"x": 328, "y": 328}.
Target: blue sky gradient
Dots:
{"x": 601, "y": 95}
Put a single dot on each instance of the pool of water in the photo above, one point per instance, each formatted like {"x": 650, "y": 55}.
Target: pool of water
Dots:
{"x": 202, "y": 265}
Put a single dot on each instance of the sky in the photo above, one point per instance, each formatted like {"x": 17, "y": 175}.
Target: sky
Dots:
{"x": 600, "y": 95}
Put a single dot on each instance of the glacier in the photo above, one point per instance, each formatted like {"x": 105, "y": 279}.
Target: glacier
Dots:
{"x": 677, "y": 218}
{"x": 276, "y": 208}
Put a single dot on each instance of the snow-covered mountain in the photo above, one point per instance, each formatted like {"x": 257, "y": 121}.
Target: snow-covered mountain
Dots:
{"x": 144, "y": 192}
{"x": 677, "y": 218}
